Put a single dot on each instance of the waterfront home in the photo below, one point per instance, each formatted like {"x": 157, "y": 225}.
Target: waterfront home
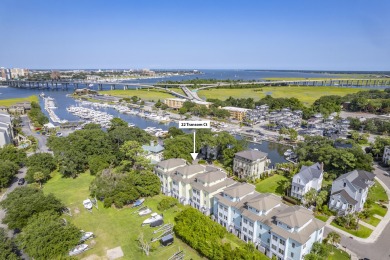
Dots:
{"x": 349, "y": 191}
{"x": 386, "y": 155}
{"x": 250, "y": 164}
{"x": 309, "y": 177}
{"x": 153, "y": 152}
{"x": 276, "y": 229}
{"x": 237, "y": 113}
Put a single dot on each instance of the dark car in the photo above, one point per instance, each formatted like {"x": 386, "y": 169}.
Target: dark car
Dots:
{"x": 21, "y": 181}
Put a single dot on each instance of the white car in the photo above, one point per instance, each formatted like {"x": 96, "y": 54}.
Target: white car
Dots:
{"x": 87, "y": 204}
{"x": 145, "y": 212}
{"x": 154, "y": 217}
{"x": 78, "y": 249}
{"x": 86, "y": 236}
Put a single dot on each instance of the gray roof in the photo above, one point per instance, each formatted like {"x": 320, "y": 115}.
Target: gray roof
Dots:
{"x": 264, "y": 201}
{"x": 190, "y": 169}
{"x": 346, "y": 197}
{"x": 358, "y": 178}
{"x": 153, "y": 148}
{"x": 308, "y": 173}
{"x": 239, "y": 190}
{"x": 252, "y": 155}
{"x": 210, "y": 177}
{"x": 171, "y": 163}
{"x": 295, "y": 216}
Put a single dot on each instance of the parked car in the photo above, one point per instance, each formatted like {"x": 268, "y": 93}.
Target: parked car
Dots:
{"x": 21, "y": 181}
{"x": 59, "y": 134}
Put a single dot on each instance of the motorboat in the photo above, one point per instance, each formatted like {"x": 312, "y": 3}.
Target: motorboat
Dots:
{"x": 78, "y": 249}
{"x": 138, "y": 202}
{"x": 86, "y": 236}
{"x": 154, "y": 217}
{"x": 88, "y": 204}
{"x": 145, "y": 212}
{"x": 288, "y": 152}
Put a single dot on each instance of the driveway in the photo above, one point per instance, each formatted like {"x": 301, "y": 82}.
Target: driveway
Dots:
{"x": 380, "y": 249}
{"x": 42, "y": 139}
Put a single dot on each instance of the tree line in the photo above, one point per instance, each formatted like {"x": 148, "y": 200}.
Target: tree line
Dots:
{"x": 36, "y": 115}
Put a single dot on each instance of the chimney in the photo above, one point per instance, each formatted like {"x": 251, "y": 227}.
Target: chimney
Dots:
{"x": 152, "y": 143}
{"x": 322, "y": 166}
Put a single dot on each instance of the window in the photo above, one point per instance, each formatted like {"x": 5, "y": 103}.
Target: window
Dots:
{"x": 275, "y": 238}
{"x": 281, "y": 251}
{"x": 225, "y": 209}
{"x": 250, "y": 233}
{"x": 292, "y": 254}
{"x": 288, "y": 227}
{"x": 250, "y": 224}
{"x": 220, "y": 206}
{"x": 282, "y": 242}
{"x": 345, "y": 184}
{"x": 261, "y": 226}
{"x": 293, "y": 245}
{"x": 273, "y": 247}
{"x": 244, "y": 229}
{"x": 220, "y": 214}
{"x": 259, "y": 235}
{"x": 245, "y": 221}
{"x": 268, "y": 240}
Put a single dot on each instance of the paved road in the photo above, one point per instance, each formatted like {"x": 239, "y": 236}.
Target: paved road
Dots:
{"x": 14, "y": 185}
{"x": 42, "y": 139}
{"x": 380, "y": 249}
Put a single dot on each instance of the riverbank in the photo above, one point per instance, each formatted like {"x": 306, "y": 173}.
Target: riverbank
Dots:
{"x": 305, "y": 94}
{"x": 13, "y": 101}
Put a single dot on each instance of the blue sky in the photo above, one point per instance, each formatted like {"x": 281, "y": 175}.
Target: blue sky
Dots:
{"x": 317, "y": 35}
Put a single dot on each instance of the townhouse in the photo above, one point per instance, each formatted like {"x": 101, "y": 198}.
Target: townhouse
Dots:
{"x": 250, "y": 164}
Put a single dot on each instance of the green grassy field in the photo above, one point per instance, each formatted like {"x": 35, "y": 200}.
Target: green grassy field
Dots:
{"x": 112, "y": 227}
{"x": 271, "y": 184}
{"x": 12, "y": 101}
{"x": 362, "y": 232}
{"x": 322, "y": 217}
{"x": 305, "y": 94}
{"x": 377, "y": 209}
{"x": 336, "y": 254}
{"x": 145, "y": 94}
{"x": 378, "y": 193}
{"x": 372, "y": 221}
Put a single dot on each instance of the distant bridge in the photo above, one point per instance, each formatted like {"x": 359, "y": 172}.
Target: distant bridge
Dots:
{"x": 66, "y": 85}
{"x": 311, "y": 82}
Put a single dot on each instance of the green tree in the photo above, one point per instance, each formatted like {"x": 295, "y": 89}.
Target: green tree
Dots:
{"x": 310, "y": 197}
{"x": 51, "y": 240}
{"x": 42, "y": 161}
{"x": 117, "y": 122}
{"x": 318, "y": 252}
{"x": 24, "y": 202}
{"x": 39, "y": 177}
{"x": 8, "y": 248}
{"x": 97, "y": 163}
{"x": 11, "y": 153}
{"x": 333, "y": 238}
{"x": 8, "y": 169}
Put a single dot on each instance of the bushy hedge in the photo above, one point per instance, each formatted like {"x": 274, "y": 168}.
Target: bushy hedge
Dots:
{"x": 167, "y": 203}
{"x": 206, "y": 236}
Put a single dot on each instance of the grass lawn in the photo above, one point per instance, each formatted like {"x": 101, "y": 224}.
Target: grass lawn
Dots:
{"x": 145, "y": 94}
{"x": 112, "y": 227}
{"x": 362, "y": 232}
{"x": 378, "y": 209}
{"x": 305, "y": 94}
{"x": 372, "y": 221}
{"x": 337, "y": 254}
{"x": 322, "y": 217}
{"x": 12, "y": 101}
{"x": 378, "y": 193}
{"x": 271, "y": 184}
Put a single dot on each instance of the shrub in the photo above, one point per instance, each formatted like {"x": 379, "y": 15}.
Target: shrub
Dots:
{"x": 167, "y": 203}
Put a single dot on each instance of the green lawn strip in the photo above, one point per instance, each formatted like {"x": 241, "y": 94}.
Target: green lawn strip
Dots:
{"x": 378, "y": 209}
{"x": 336, "y": 254}
{"x": 378, "y": 193}
{"x": 372, "y": 221}
{"x": 271, "y": 184}
{"x": 362, "y": 232}
{"x": 322, "y": 217}
{"x": 305, "y": 94}
{"x": 13, "y": 101}
{"x": 113, "y": 227}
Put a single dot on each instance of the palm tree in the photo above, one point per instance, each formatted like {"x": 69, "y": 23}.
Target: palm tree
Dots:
{"x": 39, "y": 177}
{"x": 333, "y": 238}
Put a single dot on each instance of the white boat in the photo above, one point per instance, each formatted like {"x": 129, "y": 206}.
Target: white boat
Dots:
{"x": 90, "y": 85}
{"x": 145, "y": 212}
{"x": 288, "y": 152}
{"x": 86, "y": 236}
{"x": 78, "y": 249}
{"x": 87, "y": 204}
{"x": 154, "y": 217}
